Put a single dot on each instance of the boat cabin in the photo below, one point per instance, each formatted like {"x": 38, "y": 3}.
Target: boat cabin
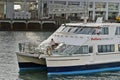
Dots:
{"x": 87, "y": 38}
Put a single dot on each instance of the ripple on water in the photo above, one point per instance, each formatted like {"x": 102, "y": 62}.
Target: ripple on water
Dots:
{"x": 8, "y": 67}
{"x": 8, "y": 45}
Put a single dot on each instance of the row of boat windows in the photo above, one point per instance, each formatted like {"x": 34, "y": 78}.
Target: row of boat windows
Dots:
{"x": 89, "y": 30}
{"x": 89, "y": 49}
{"x": 101, "y": 49}
{"x": 84, "y": 50}
{"x": 106, "y": 48}
{"x": 85, "y": 30}
{"x": 72, "y": 49}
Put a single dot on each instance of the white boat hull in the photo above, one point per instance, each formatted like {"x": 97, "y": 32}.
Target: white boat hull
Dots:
{"x": 81, "y": 64}
{"x": 27, "y": 62}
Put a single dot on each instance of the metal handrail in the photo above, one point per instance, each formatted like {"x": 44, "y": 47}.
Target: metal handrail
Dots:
{"x": 27, "y": 47}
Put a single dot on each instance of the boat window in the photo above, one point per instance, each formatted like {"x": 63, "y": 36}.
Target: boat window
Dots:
{"x": 72, "y": 49}
{"x": 106, "y": 48}
{"x": 77, "y": 30}
{"x": 104, "y": 30}
{"x": 118, "y": 47}
{"x": 80, "y": 50}
{"x": 86, "y": 30}
{"x": 73, "y": 29}
{"x": 117, "y": 31}
{"x": 63, "y": 28}
{"x": 68, "y": 29}
{"x": 83, "y": 50}
{"x": 90, "y": 49}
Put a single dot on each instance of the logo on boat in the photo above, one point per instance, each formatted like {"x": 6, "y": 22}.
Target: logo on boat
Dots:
{"x": 96, "y": 39}
{"x": 101, "y": 38}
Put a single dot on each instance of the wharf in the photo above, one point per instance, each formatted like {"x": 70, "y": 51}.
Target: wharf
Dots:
{"x": 27, "y": 25}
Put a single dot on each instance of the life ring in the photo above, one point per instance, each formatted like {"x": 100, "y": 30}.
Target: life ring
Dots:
{"x": 49, "y": 51}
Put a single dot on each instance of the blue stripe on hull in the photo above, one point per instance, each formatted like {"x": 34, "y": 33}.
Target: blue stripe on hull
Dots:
{"x": 84, "y": 69}
{"x": 84, "y": 72}
{"x": 31, "y": 66}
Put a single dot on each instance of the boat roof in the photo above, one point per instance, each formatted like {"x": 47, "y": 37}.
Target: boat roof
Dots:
{"x": 91, "y": 24}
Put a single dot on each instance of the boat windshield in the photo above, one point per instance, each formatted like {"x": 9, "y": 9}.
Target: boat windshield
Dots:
{"x": 73, "y": 49}
{"x": 79, "y": 30}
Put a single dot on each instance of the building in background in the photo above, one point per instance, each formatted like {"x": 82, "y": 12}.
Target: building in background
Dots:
{"x": 2, "y": 10}
{"x": 108, "y": 9}
{"x": 52, "y": 9}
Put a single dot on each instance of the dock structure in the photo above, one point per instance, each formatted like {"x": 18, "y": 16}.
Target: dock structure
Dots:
{"x": 50, "y": 14}
{"x": 27, "y": 25}
{"x": 5, "y": 24}
{"x": 26, "y": 15}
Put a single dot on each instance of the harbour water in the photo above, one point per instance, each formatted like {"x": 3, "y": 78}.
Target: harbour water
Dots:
{"x": 9, "y": 69}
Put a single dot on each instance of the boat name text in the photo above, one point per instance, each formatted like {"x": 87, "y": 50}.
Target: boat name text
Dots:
{"x": 101, "y": 38}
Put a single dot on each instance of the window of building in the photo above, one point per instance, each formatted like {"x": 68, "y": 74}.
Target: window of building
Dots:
{"x": 112, "y": 15}
{"x": 50, "y": 2}
{"x": 60, "y": 2}
{"x": 100, "y": 6}
{"x": 90, "y": 4}
{"x": 106, "y": 48}
{"x": 73, "y": 3}
{"x": 113, "y": 6}
{"x": 117, "y": 32}
{"x": 17, "y": 7}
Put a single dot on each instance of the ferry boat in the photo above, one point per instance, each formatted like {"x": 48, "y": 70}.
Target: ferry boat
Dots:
{"x": 28, "y": 57}
{"x": 81, "y": 48}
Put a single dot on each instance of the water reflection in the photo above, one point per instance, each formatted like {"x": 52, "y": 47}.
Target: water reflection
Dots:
{"x": 33, "y": 75}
